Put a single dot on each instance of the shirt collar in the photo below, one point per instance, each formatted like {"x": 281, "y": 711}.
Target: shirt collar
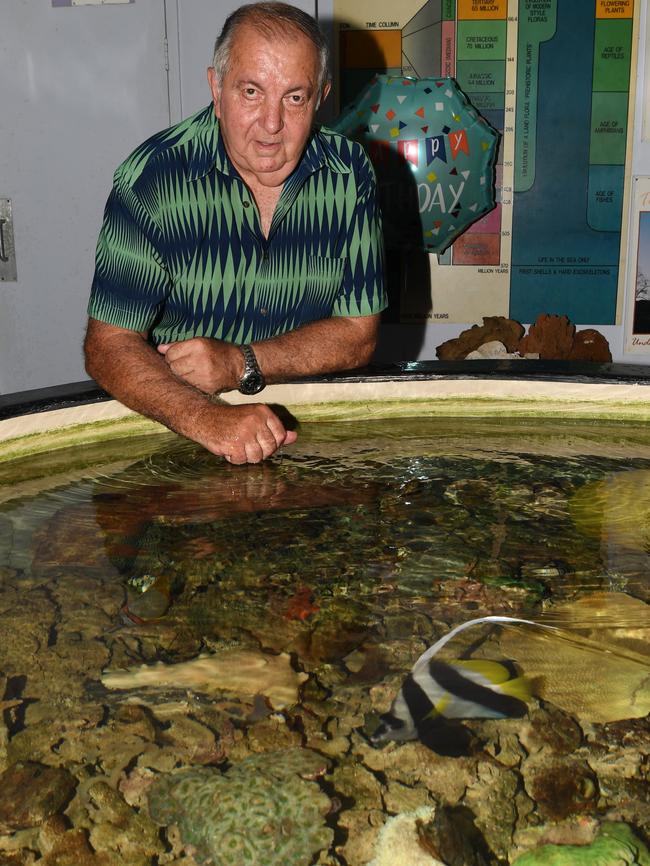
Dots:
{"x": 208, "y": 149}
{"x": 320, "y": 153}
{"x": 210, "y": 152}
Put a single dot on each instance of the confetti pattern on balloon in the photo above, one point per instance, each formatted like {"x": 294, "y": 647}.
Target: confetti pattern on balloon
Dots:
{"x": 433, "y": 153}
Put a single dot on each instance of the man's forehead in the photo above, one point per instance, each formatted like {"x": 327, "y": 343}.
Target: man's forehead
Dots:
{"x": 296, "y": 41}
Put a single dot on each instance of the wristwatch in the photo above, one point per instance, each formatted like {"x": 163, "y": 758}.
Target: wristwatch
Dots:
{"x": 252, "y": 380}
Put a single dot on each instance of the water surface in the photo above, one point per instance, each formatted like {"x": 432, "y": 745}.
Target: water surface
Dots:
{"x": 350, "y": 552}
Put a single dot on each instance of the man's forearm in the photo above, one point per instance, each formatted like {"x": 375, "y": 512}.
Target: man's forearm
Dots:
{"x": 340, "y": 343}
{"x": 126, "y": 366}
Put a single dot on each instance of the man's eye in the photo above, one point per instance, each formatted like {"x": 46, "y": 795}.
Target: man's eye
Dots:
{"x": 249, "y": 91}
{"x": 296, "y": 99}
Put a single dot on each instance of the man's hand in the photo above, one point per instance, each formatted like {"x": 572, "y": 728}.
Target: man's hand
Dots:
{"x": 242, "y": 434}
{"x": 123, "y": 363}
{"x": 210, "y": 365}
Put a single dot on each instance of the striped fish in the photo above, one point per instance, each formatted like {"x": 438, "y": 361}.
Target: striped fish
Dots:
{"x": 459, "y": 689}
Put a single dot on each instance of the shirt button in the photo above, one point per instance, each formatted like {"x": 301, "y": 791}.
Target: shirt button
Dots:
{"x": 263, "y": 311}
{"x": 247, "y": 204}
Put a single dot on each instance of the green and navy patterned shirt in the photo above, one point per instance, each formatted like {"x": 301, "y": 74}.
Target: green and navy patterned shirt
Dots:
{"x": 181, "y": 253}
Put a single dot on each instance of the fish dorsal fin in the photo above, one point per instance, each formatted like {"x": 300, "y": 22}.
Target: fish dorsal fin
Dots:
{"x": 493, "y": 671}
{"x": 438, "y": 645}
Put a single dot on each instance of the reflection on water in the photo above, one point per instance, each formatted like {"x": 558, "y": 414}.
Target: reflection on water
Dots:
{"x": 616, "y": 510}
{"x": 279, "y": 610}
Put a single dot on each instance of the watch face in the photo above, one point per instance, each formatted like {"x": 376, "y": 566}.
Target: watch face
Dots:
{"x": 251, "y": 383}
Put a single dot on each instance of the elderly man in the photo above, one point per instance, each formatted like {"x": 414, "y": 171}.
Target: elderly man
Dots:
{"x": 239, "y": 247}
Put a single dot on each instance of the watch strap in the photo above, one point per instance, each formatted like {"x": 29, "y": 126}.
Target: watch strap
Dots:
{"x": 252, "y": 380}
{"x": 250, "y": 360}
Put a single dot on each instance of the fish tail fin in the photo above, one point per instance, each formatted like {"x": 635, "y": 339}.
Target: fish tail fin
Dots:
{"x": 520, "y": 688}
{"x": 537, "y": 685}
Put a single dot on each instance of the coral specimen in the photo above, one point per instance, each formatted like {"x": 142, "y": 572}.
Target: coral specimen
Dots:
{"x": 120, "y": 828}
{"x": 506, "y": 331}
{"x": 399, "y": 841}
{"x": 358, "y": 785}
{"x": 550, "y": 336}
{"x": 494, "y": 800}
{"x": 264, "y": 811}
{"x": 561, "y": 788}
{"x": 555, "y": 338}
{"x": 31, "y": 792}
{"x": 590, "y": 345}
{"x": 614, "y": 845}
{"x": 452, "y": 836}
{"x": 492, "y": 350}
{"x": 241, "y": 672}
{"x": 60, "y": 846}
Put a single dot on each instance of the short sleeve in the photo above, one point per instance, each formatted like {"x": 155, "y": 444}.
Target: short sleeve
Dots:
{"x": 131, "y": 282}
{"x": 363, "y": 288}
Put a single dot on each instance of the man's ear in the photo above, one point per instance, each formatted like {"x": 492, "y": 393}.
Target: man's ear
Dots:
{"x": 215, "y": 89}
{"x": 324, "y": 93}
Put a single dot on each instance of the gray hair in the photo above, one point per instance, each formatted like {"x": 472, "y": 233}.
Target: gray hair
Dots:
{"x": 271, "y": 19}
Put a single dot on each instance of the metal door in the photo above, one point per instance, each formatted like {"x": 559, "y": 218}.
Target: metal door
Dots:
{"x": 80, "y": 87}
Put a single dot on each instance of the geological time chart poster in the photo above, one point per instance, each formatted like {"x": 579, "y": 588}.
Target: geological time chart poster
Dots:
{"x": 554, "y": 77}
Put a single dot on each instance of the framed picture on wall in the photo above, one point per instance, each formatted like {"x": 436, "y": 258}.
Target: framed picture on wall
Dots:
{"x": 637, "y": 319}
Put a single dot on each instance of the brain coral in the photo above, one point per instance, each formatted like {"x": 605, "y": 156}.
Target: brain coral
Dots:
{"x": 264, "y": 811}
{"x": 614, "y": 845}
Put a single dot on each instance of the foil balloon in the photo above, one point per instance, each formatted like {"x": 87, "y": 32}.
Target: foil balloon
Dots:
{"x": 433, "y": 153}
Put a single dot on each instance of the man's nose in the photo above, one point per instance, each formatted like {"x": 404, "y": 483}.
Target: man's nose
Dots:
{"x": 272, "y": 116}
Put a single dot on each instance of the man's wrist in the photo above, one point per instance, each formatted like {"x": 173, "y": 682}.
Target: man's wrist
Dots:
{"x": 252, "y": 380}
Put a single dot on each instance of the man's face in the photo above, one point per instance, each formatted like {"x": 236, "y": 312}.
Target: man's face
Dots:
{"x": 266, "y": 103}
